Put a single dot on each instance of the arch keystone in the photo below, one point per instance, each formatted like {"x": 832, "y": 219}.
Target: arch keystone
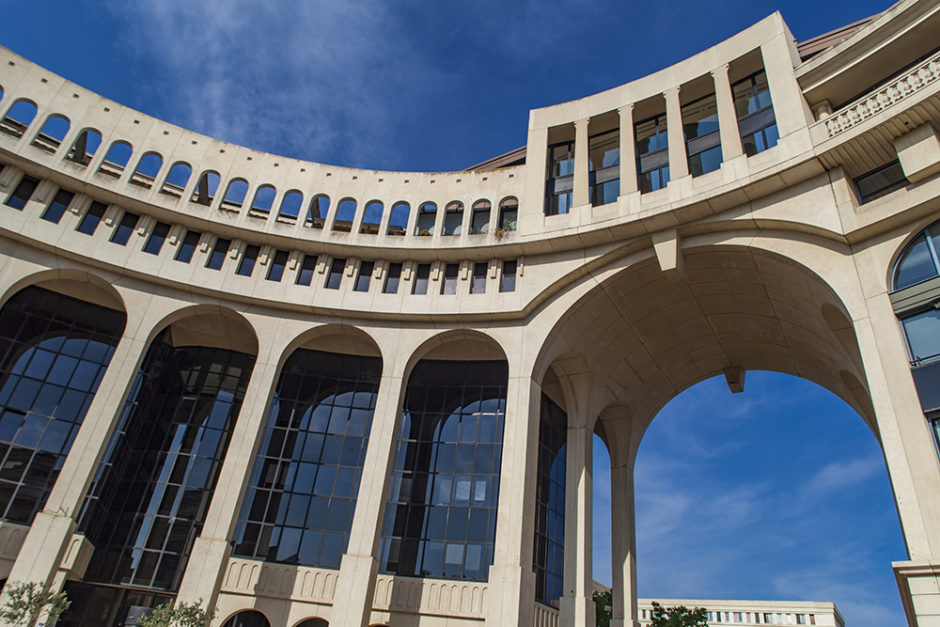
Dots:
{"x": 669, "y": 253}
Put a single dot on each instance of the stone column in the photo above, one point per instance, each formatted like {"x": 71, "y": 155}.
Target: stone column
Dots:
{"x": 532, "y": 211}
{"x": 727, "y": 118}
{"x": 212, "y": 549}
{"x": 623, "y": 545}
{"x": 790, "y": 109}
{"x": 581, "y": 194}
{"x": 628, "y": 182}
{"x": 510, "y": 596}
{"x": 678, "y": 161}
{"x": 355, "y": 587}
{"x": 577, "y": 604}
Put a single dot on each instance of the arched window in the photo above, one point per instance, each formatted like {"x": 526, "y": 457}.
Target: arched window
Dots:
{"x": 398, "y": 221}
{"x": 206, "y": 188}
{"x": 52, "y": 133}
{"x": 176, "y": 180}
{"x": 147, "y": 169}
{"x": 919, "y": 261}
{"x": 248, "y": 618}
{"x": 18, "y": 117}
{"x": 508, "y": 213}
{"x": 345, "y": 214}
{"x": 116, "y": 160}
{"x": 480, "y": 217}
{"x": 85, "y": 146}
{"x": 453, "y": 218}
{"x": 263, "y": 201}
{"x": 1, "y": 93}
{"x": 371, "y": 218}
{"x": 235, "y": 195}
{"x": 318, "y": 210}
{"x": 313, "y": 622}
{"x": 427, "y": 214}
{"x": 290, "y": 205}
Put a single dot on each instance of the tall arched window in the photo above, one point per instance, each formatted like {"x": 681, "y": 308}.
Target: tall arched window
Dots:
{"x": 453, "y": 218}
{"x": 147, "y": 169}
{"x": 18, "y": 117}
{"x": 263, "y": 201}
{"x": 345, "y": 214}
{"x": 919, "y": 261}
{"x": 206, "y": 188}
{"x": 116, "y": 160}
{"x": 52, "y": 133}
{"x": 548, "y": 555}
{"x": 176, "y": 180}
{"x": 247, "y": 618}
{"x": 290, "y": 205}
{"x": 371, "y": 218}
{"x": 318, "y": 210}
{"x": 398, "y": 221}
{"x": 85, "y": 146}
{"x": 235, "y": 194}
{"x": 427, "y": 214}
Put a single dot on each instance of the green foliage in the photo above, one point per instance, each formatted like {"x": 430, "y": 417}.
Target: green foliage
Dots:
{"x": 604, "y": 602}
{"x": 180, "y": 615}
{"x": 678, "y": 616}
{"x": 27, "y": 602}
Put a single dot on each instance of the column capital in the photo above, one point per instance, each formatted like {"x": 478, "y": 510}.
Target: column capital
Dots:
{"x": 625, "y": 109}
{"x": 672, "y": 91}
{"x": 721, "y": 70}
{"x": 582, "y": 123}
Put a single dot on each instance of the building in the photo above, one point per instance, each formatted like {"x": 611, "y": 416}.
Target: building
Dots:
{"x": 316, "y": 395}
{"x": 754, "y": 612}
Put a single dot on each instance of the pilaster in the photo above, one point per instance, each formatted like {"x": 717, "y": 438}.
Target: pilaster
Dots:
{"x": 727, "y": 118}
{"x": 628, "y": 180}
{"x": 678, "y": 161}
{"x": 581, "y": 194}
{"x": 790, "y": 109}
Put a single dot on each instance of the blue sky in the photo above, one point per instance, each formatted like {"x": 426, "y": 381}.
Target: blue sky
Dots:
{"x": 777, "y": 493}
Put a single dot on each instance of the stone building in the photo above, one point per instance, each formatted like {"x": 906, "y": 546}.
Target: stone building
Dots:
{"x": 312, "y": 395}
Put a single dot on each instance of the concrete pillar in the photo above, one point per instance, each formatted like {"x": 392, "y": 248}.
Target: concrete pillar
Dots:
{"x": 628, "y": 181}
{"x": 678, "y": 161}
{"x": 510, "y": 596}
{"x": 532, "y": 202}
{"x": 355, "y": 587}
{"x": 623, "y": 546}
{"x": 727, "y": 118}
{"x": 577, "y": 604}
{"x": 212, "y": 549}
{"x": 581, "y": 194}
{"x": 790, "y": 109}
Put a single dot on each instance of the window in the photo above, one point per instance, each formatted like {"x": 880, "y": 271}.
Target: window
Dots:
{"x": 508, "y": 213}
{"x": 365, "y": 276}
{"x": 52, "y": 133}
{"x": 91, "y": 219}
{"x": 560, "y": 181}
{"x": 235, "y": 194}
{"x": 652, "y": 153}
{"x": 480, "y": 217}
{"x": 449, "y": 284}
{"x": 276, "y": 270}
{"x": 57, "y": 207}
{"x": 22, "y": 193}
{"x": 345, "y": 214}
{"x": 263, "y": 201}
{"x": 335, "y": 277}
{"x": 206, "y": 188}
{"x": 427, "y": 214}
{"x": 18, "y": 118}
{"x": 371, "y": 218}
{"x": 398, "y": 221}
{"x": 217, "y": 256}
{"x": 548, "y": 555}
{"x": 246, "y": 264}
{"x": 116, "y": 159}
{"x": 919, "y": 261}
{"x": 604, "y": 166}
{"x": 702, "y": 139}
{"x": 307, "y": 266}
{"x": 422, "y": 274}
{"x": 85, "y": 147}
{"x": 124, "y": 228}
{"x": 392, "y": 278}
{"x": 156, "y": 239}
{"x": 922, "y": 331}
{"x": 317, "y": 212}
{"x": 147, "y": 169}
{"x": 176, "y": 180}
{"x": 478, "y": 285}
{"x": 453, "y": 218}
{"x": 755, "y": 113}
{"x": 290, "y": 205}
{"x": 188, "y": 246}
{"x": 507, "y": 282}
{"x": 880, "y": 181}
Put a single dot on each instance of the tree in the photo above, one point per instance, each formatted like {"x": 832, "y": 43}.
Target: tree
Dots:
{"x": 27, "y": 602}
{"x": 179, "y": 615}
{"x": 604, "y": 602}
{"x": 680, "y": 616}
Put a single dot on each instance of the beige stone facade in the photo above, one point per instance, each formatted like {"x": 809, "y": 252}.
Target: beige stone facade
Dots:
{"x": 610, "y": 306}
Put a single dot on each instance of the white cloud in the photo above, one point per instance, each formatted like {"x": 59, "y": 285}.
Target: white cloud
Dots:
{"x": 840, "y": 475}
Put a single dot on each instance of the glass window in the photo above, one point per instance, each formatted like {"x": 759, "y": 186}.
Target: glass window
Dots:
{"x": 319, "y": 208}
{"x": 303, "y": 486}
{"x": 392, "y": 279}
{"x": 880, "y": 181}
{"x": 371, "y": 218}
{"x": 480, "y": 217}
{"x": 246, "y": 264}
{"x": 91, "y": 219}
{"x": 124, "y": 228}
{"x": 398, "y": 221}
{"x": 756, "y": 121}
{"x": 702, "y": 139}
{"x": 57, "y": 207}
{"x": 206, "y": 188}
{"x": 156, "y": 239}
{"x": 188, "y": 246}
{"x": 453, "y": 218}
{"x": 507, "y": 282}
{"x": 307, "y": 267}
{"x": 604, "y": 165}
{"x": 345, "y": 214}
{"x": 560, "y": 181}
{"x": 22, "y": 192}
{"x": 923, "y": 335}
{"x": 335, "y": 277}
{"x": 427, "y": 214}
{"x": 478, "y": 285}
{"x": 422, "y": 275}
{"x": 652, "y": 153}
{"x": 276, "y": 270}
{"x": 440, "y": 517}
{"x": 449, "y": 284}
{"x": 919, "y": 261}
{"x": 217, "y": 257}
{"x": 365, "y": 276}
{"x": 508, "y": 213}
{"x": 548, "y": 555}
{"x": 85, "y": 147}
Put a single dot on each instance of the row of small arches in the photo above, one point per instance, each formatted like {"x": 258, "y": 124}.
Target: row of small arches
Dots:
{"x": 21, "y": 114}
{"x": 254, "y": 618}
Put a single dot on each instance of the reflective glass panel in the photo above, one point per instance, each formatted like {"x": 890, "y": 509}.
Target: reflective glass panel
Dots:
{"x": 923, "y": 335}
{"x": 548, "y": 555}
{"x": 916, "y": 264}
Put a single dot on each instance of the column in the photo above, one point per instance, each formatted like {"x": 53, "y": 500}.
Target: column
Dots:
{"x": 581, "y": 195}
{"x": 623, "y": 545}
{"x": 535, "y": 174}
{"x": 212, "y": 549}
{"x": 727, "y": 118}
{"x": 678, "y": 161}
{"x": 577, "y": 604}
{"x": 790, "y": 109}
{"x": 355, "y": 588}
{"x": 511, "y": 593}
{"x": 628, "y": 182}
{"x": 49, "y": 536}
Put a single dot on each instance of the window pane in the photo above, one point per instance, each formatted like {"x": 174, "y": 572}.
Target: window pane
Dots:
{"x": 923, "y": 334}
{"x": 915, "y": 265}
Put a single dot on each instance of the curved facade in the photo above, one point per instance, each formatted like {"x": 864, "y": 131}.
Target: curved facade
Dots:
{"x": 317, "y": 395}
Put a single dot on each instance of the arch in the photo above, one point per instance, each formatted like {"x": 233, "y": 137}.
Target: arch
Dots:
{"x": 247, "y": 618}
{"x": 457, "y": 344}
{"x": 116, "y": 158}
{"x": 345, "y": 215}
{"x": 919, "y": 259}
{"x": 52, "y": 133}
{"x": 508, "y": 213}
{"x": 480, "y": 217}
{"x": 18, "y": 117}
{"x": 312, "y": 622}
{"x": 372, "y": 217}
{"x": 398, "y": 220}
{"x": 235, "y": 194}
{"x": 290, "y": 205}
{"x": 177, "y": 179}
{"x": 1, "y": 93}
{"x": 206, "y": 187}
{"x": 77, "y": 283}
{"x": 147, "y": 169}
{"x": 263, "y": 200}
{"x": 427, "y": 214}
{"x": 209, "y": 325}
{"x": 85, "y": 146}
{"x": 453, "y": 218}
{"x": 317, "y": 211}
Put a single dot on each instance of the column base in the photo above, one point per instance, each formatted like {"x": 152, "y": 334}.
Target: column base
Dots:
{"x": 510, "y": 596}
{"x": 919, "y": 584}
{"x": 203, "y": 577}
{"x": 355, "y": 590}
{"x": 577, "y": 611}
